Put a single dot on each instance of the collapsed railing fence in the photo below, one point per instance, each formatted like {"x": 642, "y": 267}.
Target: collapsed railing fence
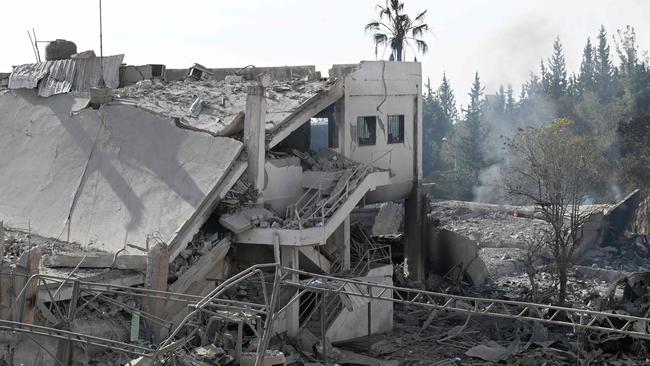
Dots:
{"x": 635, "y": 327}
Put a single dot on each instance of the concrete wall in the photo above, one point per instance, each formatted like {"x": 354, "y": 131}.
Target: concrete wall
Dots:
{"x": 382, "y": 88}
{"x": 354, "y": 324}
{"x": 283, "y": 182}
{"x": 446, "y": 249}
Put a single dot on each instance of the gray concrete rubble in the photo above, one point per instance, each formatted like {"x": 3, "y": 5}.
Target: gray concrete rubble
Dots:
{"x": 221, "y": 101}
{"x": 389, "y": 220}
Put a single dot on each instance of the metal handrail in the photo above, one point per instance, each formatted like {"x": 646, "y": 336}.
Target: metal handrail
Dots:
{"x": 337, "y": 197}
{"x": 366, "y": 260}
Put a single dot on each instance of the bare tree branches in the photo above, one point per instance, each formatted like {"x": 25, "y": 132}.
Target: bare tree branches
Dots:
{"x": 555, "y": 170}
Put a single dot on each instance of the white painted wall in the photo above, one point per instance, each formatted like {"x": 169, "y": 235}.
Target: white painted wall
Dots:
{"x": 354, "y": 324}
{"x": 382, "y": 88}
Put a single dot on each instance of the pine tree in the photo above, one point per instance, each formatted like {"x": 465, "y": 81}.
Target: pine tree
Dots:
{"x": 587, "y": 76}
{"x": 603, "y": 67}
{"x": 544, "y": 79}
{"x": 447, "y": 100}
{"x": 557, "y": 71}
{"x": 470, "y": 142}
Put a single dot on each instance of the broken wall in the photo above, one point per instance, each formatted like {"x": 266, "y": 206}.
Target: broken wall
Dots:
{"x": 283, "y": 182}
{"x": 446, "y": 249}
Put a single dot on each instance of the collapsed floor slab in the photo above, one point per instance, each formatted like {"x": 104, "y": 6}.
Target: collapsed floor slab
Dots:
{"x": 103, "y": 178}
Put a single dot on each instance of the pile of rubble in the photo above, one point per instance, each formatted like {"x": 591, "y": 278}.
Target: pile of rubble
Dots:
{"x": 217, "y": 106}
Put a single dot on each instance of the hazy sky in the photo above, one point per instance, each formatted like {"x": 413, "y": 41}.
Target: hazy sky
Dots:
{"x": 501, "y": 39}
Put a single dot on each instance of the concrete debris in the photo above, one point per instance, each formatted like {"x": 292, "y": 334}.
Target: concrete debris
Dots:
{"x": 196, "y": 107}
{"x": 233, "y": 79}
{"x": 144, "y": 84}
{"x": 248, "y": 218}
{"x": 389, "y": 220}
{"x": 493, "y": 352}
{"x": 271, "y": 358}
{"x": 224, "y": 101}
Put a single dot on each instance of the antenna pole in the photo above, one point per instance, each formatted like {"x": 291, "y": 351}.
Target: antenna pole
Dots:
{"x": 38, "y": 53}
{"x": 33, "y": 44}
{"x": 101, "y": 47}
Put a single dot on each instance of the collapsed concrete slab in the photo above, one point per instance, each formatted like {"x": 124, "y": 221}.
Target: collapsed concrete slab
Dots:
{"x": 103, "y": 178}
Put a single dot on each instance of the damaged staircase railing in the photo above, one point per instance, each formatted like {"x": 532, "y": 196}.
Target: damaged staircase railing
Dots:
{"x": 314, "y": 209}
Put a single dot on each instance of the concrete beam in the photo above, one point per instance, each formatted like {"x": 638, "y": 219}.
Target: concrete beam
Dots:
{"x": 95, "y": 260}
{"x": 306, "y": 111}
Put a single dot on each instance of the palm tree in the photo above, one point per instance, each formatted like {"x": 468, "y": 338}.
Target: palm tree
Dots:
{"x": 396, "y": 29}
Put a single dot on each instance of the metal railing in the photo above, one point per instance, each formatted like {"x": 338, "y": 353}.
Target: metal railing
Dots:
{"x": 331, "y": 289}
{"x": 582, "y": 319}
{"x": 378, "y": 255}
{"x": 325, "y": 207}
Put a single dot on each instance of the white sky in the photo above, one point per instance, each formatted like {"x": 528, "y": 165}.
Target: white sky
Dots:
{"x": 501, "y": 39}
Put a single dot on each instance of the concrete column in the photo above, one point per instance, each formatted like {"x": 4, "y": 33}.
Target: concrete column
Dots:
{"x": 156, "y": 279}
{"x": 414, "y": 245}
{"x": 32, "y": 261}
{"x": 346, "y": 242}
{"x": 255, "y": 135}
{"x": 291, "y": 258}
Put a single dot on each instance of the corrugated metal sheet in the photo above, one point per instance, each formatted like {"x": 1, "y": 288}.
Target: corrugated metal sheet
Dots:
{"x": 28, "y": 75}
{"x": 60, "y": 78}
{"x": 63, "y": 76}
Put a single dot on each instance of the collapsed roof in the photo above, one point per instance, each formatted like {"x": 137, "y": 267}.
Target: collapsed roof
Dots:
{"x": 103, "y": 178}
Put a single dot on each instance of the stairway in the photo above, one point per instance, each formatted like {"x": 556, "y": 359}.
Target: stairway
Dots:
{"x": 311, "y": 314}
{"x": 317, "y": 205}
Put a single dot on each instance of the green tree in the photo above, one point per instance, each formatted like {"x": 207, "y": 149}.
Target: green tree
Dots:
{"x": 438, "y": 117}
{"x": 445, "y": 95}
{"x": 587, "y": 76}
{"x": 472, "y": 132}
{"x": 604, "y": 71}
{"x": 396, "y": 29}
{"x": 557, "y": 80}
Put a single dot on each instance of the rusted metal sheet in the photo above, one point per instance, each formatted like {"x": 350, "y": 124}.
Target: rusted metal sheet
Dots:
{"x": 64, "y": 76}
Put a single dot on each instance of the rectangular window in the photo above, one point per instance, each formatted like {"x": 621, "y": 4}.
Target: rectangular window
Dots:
{"x": 367, "y": 130}
{"x": 396, "y": 129}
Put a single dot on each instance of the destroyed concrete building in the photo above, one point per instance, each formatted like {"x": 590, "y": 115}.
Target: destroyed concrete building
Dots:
{"x": 223, "y": 168}
{"x": 252, "y": 216}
